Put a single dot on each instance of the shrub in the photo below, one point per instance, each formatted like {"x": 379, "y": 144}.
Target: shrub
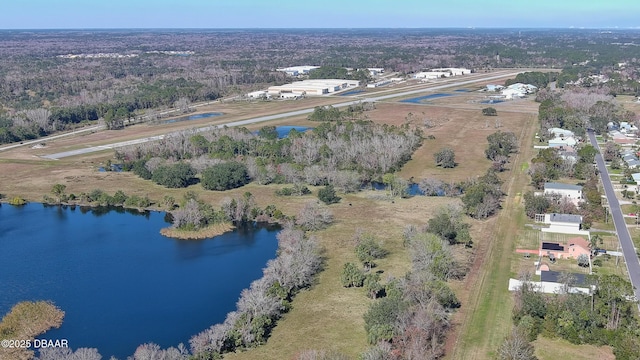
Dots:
{"x": 368, "y": 250}
{"x": 229, "y": 175}
{"x": 352, "y": 276}
{"x": 328, "y": 195}
{"x": 489, "y": 111}
{"x": 178, "y": 175}
{"x": 17, "y": 201}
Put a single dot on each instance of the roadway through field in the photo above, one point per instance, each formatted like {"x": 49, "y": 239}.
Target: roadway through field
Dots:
{"x": 260, "y": 119}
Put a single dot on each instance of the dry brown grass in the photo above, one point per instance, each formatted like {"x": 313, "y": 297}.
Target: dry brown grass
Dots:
{"x": 209, "y": 232}
{"x": 25, "y": 321}
{"x": 552, "y": 349}
{"x": 465, "y": 131}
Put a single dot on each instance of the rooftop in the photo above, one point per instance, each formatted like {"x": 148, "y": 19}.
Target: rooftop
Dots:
{"x": 552, "y": 246}
{"x": 555, "y": 277}
{"x": 560, "y": 186}
{"x": 570, "y": 218}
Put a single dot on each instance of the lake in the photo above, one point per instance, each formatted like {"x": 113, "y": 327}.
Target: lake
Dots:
{"x": 119, "y": 281}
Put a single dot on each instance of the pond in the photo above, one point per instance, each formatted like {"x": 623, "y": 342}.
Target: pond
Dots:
{"x": 491, "y": 101}
{"x": 283, "y": 131}
{"x": 119, "y": 281}
{"x": 194, "y": 117}
{"x": 413, "y": 189}
{"x": 351, "y": 92}
{"x": 422, "y": 99}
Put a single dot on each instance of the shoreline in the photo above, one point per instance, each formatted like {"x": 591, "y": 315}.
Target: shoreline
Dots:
{"x": 200, "y": 234}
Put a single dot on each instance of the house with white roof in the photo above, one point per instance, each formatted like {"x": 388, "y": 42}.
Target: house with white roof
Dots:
{"x": 561, "y": 133}
{"x": 559, "y": 142}
{"x": 558, "y": 190}
{"x": 564, "y": 224}
{"x": 492, "y": 87}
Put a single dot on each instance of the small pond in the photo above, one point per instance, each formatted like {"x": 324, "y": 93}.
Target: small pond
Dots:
{"x": 351, "y": 92}
{"x": 491, "y": 101}
{"x": 422, "y": 99}
{"x": 412, "y": 190}
{"x": 194, "y": 117}
{"x": 283, "y": 131}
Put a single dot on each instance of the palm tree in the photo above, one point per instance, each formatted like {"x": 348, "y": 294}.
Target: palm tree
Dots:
{"x": 593, "y": 242}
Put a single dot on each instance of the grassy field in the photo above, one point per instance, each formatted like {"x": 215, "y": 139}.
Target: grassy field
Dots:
{"x": 553, "y": 349}
{"x": 487, "y": 317}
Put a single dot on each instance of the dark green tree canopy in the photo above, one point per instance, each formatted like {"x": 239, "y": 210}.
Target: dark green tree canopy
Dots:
{"x": 229, "y": 175}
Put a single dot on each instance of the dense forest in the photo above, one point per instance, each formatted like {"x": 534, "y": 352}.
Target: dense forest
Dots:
{"x": 72, "y": 77}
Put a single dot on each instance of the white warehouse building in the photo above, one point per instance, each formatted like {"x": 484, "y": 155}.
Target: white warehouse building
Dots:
{"x": 298, "y": 70}
{"x": 454, "y": 71}
{"x": 313, "y": 87}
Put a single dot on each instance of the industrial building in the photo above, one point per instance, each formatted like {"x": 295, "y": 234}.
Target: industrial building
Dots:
{"x": 430, "y": 75}
{"x": 313, "y": 87}
{"x": 298, "y": 70}
{"x": 453, "y": 71}
{"x": 375, "y": 71}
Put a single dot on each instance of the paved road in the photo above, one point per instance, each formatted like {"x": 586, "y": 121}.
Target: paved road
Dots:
{"x": 52, "y": 137}
{"x": 282, "y": 115}
{"x": 630, "y": 257}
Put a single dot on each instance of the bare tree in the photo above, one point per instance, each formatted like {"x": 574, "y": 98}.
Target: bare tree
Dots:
{"x": 190, "y": 215}
{"x": 40, "y": 117}
{"x": 314, "y": 216}
{"x": 61, "y": 353}
{"x": 183, "y": 104}
{"x": 516, "y": 347}
{"x": 151, "y": 351}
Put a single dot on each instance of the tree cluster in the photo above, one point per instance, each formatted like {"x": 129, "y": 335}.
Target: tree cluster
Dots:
{"x": 445, "y": 158}
{"x": 448, "y": 224}
{"x": 225, "y": 176}
{"x": 351, "y": 112}
{"x": 603, "y": 319}
{"x": 536, "y": 78}
{"x": 482, "y": 196}
{"x": 340, "y": 154}
{"x": 411, "y": 320}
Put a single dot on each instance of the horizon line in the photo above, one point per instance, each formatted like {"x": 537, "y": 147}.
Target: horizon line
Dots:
{"x": 337, "y": 28}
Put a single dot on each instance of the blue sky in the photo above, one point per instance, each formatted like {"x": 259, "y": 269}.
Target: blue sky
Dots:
{"x": 56, "y": 14}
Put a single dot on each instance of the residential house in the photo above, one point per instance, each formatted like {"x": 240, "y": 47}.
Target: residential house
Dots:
{"x": 572, "y": 192}
{"x": 563, "y": 223}
{"x": 572, "y": 249}
{"x": 551, "y": 283}
{"x": 561, "y": 133}
{"x": 562, "y": 142}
